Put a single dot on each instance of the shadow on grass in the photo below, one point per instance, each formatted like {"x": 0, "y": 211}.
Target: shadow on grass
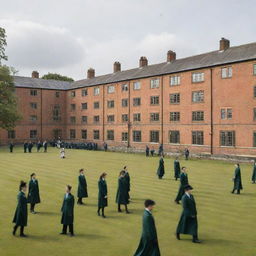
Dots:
{"x": 48, "y": 213}
{"x": 212, "y": 241}
{"x": 42, "y": 237}
{"x": 91, "y": 236}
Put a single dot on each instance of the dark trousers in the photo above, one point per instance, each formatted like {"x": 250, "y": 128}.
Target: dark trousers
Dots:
{"x": 79, "y": 201}
{"x": 21, "y": 229}
{"x": 32, "y": 207}
{"x": 238, "y": 191}
{"x": 70, "y": 227}
{"x": 119, "y": 207}
{"x": 102, "y": 211}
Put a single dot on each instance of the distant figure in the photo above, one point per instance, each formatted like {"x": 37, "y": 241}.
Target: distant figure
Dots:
{"x": 45, "y": 145}
{"x": 176, "y": 168}
{"x": 183, "y": 183}
{"x": 147, "y": 150}
{"x": 105, "y": 145}
{"x": 186, "y": 153}
{"x": 33, "y": 193}
{"x": 58, "y": 143}
{"x": 38, "y": 146}
{"x": 188, "y": 219}
{"x": 128, "y": 180}
{"x": 160, "y": 170}
{"x": 237, "y": 180}
{"x": 62, "y": 153}
{"x": 161, "y": 150}
{"x": 103, "y": 195}
{"x": 149, "y": 242}
{"x": 30, "y": 146}
{"x": 152, "y": 152}
{"x": 82, "y": 187}
{"x": 67, "y": 210}
{"x": 11, "y": 146}
{"x": 21, "y": 214}
{"x": 25, "y": 146}
{"x": 254, "y": 172}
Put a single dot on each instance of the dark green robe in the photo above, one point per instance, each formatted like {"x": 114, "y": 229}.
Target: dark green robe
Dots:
{"x": 160, "y": 170}
{"x": 33, "y": 192}
{"x": 254, "y": 173}
{"x": 188, "y": 219}
{"x": 103, "y": 191}
{"x": 67, "y": 210}
{"x": 128, "y": 180}
{"x": 176, "y": 169}
{"x": 82, "y": 187}
{"x": 148, "y": 243}
{"x": 122, "y": 196}
{"x": 238, "y": 179}
{"x": 21, "y": 213}
{"x": 183, "y": 183}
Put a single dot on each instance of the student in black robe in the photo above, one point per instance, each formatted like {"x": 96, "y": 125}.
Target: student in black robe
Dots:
{"x": 254, "y": 172}
{"x": 102, "y": 195}
{"x": 147, "y": 150}
{"x": 161, "y": 150}
{"x": 186, "y": 153}
{"x": 38, "y": 146}
{"x": 25, "y": 146}
{"x": 11, "y": 146}
{"x": 176, "y": 168}
{"x": 21, "y": 214}
{"x": 82, "y": 187}
{"x": 237, "y": 180}
{"x": 122, "y": 195}
{"x": 152, "y": 152}
{"x": 128, "y": 180}
{"x": 45, "y": 145}
{"x": 105, "y": 145}
{"x": 183, "y": 183}
{"x": 33, "y": 193}
{"x": 160, "y": 170}
{"x": 188, "y": 219}
{"x": 30, "y": 146}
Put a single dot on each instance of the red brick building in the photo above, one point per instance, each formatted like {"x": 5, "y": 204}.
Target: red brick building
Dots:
{"x": 206, "y": 103}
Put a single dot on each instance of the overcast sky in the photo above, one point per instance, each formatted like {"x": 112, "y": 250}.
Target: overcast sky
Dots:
{"x": 69, "y": 36}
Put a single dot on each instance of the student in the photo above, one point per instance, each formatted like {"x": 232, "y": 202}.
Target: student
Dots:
{"x": 183, "y": 183}
{"x": 237, "y": 180}
{"x": 67, "y": 210}
{"x": 186, "y": 152}
{"x": 102, "y": 195}
{"x": 30, "y": 146}
{"x": 11, "y": 146}
{"x": 152, "y": 152}
{"x": 105, "y": 145}
{"x": 128, "y": 181}
{"x": 25, "y": 146}
{"x": 254, "y": 172}
{"x": 188, "y": 219}
{"x": 33, "y": 193}
{"x": 21, "y": 214}
{"x": 160, "y": 170}
{"x": 176, "y": 168}
{"x": 147, "y": 151}
{"x": 45, "y": 145}
{"x": 82, "y": 187}
{"x": 161, "y": 150}
{"x": 38, "y": 146}
{"x": 148, "y": 245}
{"x": 122, "y": 194}
{"x": 62, "y": 153}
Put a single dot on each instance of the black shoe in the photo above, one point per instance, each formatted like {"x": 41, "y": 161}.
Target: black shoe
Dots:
{"x": 103, "y": 216}
{"x": 13, "y": 232}
{"x": 71, "y": 234}
{"x": 23, "y": 235}
{"x": 196, "y": 241}
{"x": 127, "y": 212}
{"x": 119, "y": 210}
{"x": 177, "y": 202}
{"x": 98, "y": 213}
{"x": 63, "y": 233}
{"x": 178, "y": 236}
{"x": 232, "y": 192}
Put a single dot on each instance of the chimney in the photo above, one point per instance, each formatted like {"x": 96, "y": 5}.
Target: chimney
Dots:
{"x": 35, "y": 74}
{"x": 117, "y": 66}
{"x": 143, "y": 61}
{"x": 224, "y": 44}
{"x": 171, "y": 56}
{"x": 90, "y": 73}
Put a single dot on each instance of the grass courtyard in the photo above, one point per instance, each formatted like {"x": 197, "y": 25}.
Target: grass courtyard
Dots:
{"x": 227, "y": 222}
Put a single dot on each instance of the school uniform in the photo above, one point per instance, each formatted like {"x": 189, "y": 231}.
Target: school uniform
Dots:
{"x": 67, "y": 218}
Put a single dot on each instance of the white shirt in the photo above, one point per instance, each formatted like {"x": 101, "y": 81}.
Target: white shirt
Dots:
{"x": 187, "y": 194}
{"x": 148, "y": 210}
{"x": 66, "y": 196}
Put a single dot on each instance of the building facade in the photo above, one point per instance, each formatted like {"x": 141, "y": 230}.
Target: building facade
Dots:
{"x": 206, "y": 103}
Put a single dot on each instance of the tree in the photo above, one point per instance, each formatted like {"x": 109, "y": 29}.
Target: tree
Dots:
{"x": 3, "y": 44}
{"x": 55, "y": 76}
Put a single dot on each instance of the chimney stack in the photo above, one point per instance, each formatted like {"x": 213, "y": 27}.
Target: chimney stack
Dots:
{"x": 117, "y": 66}
{"x": 171, "y": 56}
{"x": 224, "y": 44}
{"x": 143, "y": 61}
{"x": 90, "y": 73}
{"x": 35, "y": 74}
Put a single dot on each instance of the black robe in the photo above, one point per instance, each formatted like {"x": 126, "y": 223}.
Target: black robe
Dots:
{"x": 103, "y": 192}
{"x": 33, "y": 192}
{"x": 122, "y": 191}
{"x": 254, "y": 173}
{"x": 183, "y": 183}
{"x": 176, "y": 169}
{"x": 82, "y": 187}
{"x": 67, "y": 210}
{"x": 160, "y": 170}
{"x": 21, "y": 213}
{"x": 238, "y": 179}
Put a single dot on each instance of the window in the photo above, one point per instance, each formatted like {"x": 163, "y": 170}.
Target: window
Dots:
{"x": 226, "y": 113}
{"x": 197, "y": 77}
{"x": 154, "y": 100}
{"x": 110, "y": 118}
{"x": 57, "y": 94}
{"x": 198, "y": 138}
{"x": 96, "y": 119}
{"x": 84, "y": 92}
{"x": 136, "y": 117}
{"x": 84, "y": 106}
{"x": 33, "y": 118}
{"x": 136, "y": 101}
{"x": 11, "y": 134}
{"x": 154, "y": 136}
{"x": 254, "y": 139}
{"x": 111, "y": 104}
{"x": 72, "y": 119}
{"x": 175, "y": 98}
{"x": 56, "y": 113}
{"x": 110, "y": 135}
{"x": 84, "y": 134}
{"x": 174, "y": 137}
{"x": 72, "y": 134}
{"x": 96, "y": 91}
{"x": 227, "y": 138}
{"x": 136, "y": 136}
{"x": 229, "y": 113}
{"x": 124, "y": 103}
{"x": 84, "y": 119}
{"x": 57, "y": 133}
{"x": 33, "y": 134}
{"x": 73, "y": 94}
{"x": 226, "y": 72}
{"x": 254, "y": 91}
{"x": 124, "y": 136}
{"x": 174, "y": 116}
{"x": 33, "y": 105}
{"x": 254, "y": 69}
{"x": 197, "y": 116}
{"x": 254, "y": 114}
{"x": 136, "y": 86}
{"x": 72, "y": 107}
{"x": 198, "y": 96}
{"x": 33, "y": 92}
{"x": 111, "y": 89}
{"x": 96, "y": 105}
{"x": 174, "y": 80}
{"x": 154, "y": 117}
{"x": 154, "y": 83}
{"x": 96, "y": 134}
{"x": 124, "y": 118}
{"x": 124, "y": 87}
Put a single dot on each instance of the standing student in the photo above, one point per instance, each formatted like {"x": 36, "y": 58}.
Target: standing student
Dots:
{"x": 122, "y": 195}
{"x": 186, "y": 153}
{"x": 147, "y": 150}
{"x": 128, "y": 181}
{"x": 237, "y": 180}
{"x": 254, "y": 172}
{"x": 160, "y": 170}
{"x": 21, "y": 214}
{"x": 11, "y": 146}
{"x": 102, "y": 195}
{"x": 82, "y": 187}
{"x": 152, "y": 152}
{"x": 38, "y": 146}
{"x": 188, "y": 219}
{"x": 45, "y": 145}
{"x": 30, "y": 146}
{"x": 25, "y": 146}
{"x": 33, "y": 193}
{"x": 183, "y": 183}
{"x": 148, "y": 245}
{"x": 105, "y": 146}
{"x": 67, "y": 209}
{"x": 62, "y": 153}
{"x": 161, "y": 150}
{"x": 176, "y": 168}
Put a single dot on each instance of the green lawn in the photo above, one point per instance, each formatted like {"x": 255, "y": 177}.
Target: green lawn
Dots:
{"x": 227, "y": 222}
